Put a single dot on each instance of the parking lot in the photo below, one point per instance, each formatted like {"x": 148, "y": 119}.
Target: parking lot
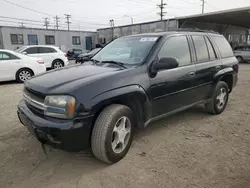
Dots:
{"x": 191, "y": 149}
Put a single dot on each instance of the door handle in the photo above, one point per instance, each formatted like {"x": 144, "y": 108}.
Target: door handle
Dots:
{"x": 191, "y": 74}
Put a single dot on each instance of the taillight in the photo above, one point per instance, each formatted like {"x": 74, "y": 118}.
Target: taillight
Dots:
{"x": 40, "y": 62}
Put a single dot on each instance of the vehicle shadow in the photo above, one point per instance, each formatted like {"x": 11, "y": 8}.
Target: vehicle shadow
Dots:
{"x": 58, "y": 166}
{"x": 9, "y": 83}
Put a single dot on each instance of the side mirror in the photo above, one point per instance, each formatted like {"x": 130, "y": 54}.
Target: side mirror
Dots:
{"x": 25, "y": 53}
{"x": 166, "y": 63}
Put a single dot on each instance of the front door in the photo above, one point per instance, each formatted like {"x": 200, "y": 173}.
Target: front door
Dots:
{"x": 173, "y": 89}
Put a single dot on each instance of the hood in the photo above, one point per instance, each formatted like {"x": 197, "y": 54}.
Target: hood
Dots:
{"x": 69, "y": 78}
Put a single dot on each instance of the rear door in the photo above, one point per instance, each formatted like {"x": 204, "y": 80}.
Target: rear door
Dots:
{"x": 48, "y": 55}
{"x": 173, "y": 89}
{"x": 207, "y": 65}
{"x": 9, "y": 64}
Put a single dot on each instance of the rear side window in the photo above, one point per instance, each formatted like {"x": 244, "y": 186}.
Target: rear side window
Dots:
{"x": 201, "y": 49}
{"x": 224, "y": 47}
{"x": 211, "y": 51}
{"x": 32, "y": 50}
{"x": 46, "y": 50}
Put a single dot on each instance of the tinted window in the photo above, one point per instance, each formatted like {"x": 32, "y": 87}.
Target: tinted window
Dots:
{"x": 200, "y": 48}
{"x": 16, "y": 38}
{"x": 76, "y": 40}
{"x": 32, "y": 50}
{"x": 49, "y": 39}
{"x": 211, "y": 51}
{"x": 176, "y": 47}
{"x": 46, "y": 50}
{"x": 224, "y": 47}
{"x": 32, "y": 39}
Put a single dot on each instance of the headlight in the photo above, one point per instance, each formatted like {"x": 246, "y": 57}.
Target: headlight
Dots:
{"x": 60, "y": 106}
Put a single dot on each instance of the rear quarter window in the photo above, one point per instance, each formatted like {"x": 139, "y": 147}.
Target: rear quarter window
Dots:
{"x": 224, "y": 46}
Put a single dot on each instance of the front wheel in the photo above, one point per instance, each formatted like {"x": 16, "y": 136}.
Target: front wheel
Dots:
{"x": 219, "y": 99}
{"x": 112, "y": 133}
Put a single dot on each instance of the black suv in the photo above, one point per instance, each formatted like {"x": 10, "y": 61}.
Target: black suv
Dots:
{"x": 130, "y": 83}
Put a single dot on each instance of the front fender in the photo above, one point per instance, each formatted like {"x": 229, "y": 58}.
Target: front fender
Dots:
{"x": 133, "y": 95}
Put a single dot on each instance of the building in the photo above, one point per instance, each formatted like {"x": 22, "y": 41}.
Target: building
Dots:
{"x": 233, "y": 24}
{"x": 14, "y": 37}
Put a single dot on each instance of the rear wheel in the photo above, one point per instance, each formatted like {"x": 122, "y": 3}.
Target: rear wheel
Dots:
{"x": 23, "y": 75}
{"x": 57, "y": 64}
{"x": 112, "y": 133}
{"x": 219, "y": 99}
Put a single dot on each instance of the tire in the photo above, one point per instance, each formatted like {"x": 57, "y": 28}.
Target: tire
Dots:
{"x": 107, "y": 129}
{"x": 215, "y": 106}
{"x": 240, "y": 59}
{"x": 57, "y": 64}
{"x": 23, "y": 74}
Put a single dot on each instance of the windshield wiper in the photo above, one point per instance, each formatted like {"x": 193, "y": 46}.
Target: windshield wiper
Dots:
{"x": 116, "y": 63}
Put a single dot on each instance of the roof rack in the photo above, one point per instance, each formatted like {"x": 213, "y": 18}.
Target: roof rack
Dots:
{"x": 195, "y": 30}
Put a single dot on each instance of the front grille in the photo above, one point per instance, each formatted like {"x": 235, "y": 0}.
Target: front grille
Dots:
{"x": 34, "y": 100}
{"x": 39, "y": 97}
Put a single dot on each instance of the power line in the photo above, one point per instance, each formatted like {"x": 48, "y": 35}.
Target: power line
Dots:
{"x": 162, "y": 7}
{"x": 27, "y": 8}
{"x": 12, "y": 18}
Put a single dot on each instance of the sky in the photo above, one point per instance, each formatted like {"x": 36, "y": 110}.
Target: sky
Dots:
{"x": 93, "y": 14}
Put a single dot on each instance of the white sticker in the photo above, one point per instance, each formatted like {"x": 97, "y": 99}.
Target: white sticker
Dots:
{"x": 149, "y": 39}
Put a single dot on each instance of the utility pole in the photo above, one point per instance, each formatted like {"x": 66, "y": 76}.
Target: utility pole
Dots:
{"x": 22, "y": 24}
{"x": 57, "y": 20}
{"x": 112, "y": 24}
{"x": 162, "y": 7}
{"x": 46, "y": 22}
{"x": 203, "y": 6}
{"x": 67, "y": 16}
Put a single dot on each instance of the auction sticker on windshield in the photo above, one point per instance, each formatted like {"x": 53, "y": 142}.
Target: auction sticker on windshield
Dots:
{"x": 147, "y": 39}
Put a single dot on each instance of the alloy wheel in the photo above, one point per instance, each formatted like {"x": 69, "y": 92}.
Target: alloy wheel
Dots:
{"x": 221, "y": 98}
{"x": 121, "y": 134}
{"x": 24, "y": 75}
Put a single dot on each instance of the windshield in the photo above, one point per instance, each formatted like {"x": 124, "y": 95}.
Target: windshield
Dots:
{"x": 130, "y": 51}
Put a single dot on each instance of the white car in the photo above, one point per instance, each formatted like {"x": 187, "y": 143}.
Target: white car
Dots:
{"x": 20, "y": 67}
{"x": 52, "y": 56}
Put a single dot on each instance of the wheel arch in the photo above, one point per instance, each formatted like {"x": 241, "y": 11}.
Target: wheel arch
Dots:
{"x": 132, "y": 96}
{"x": 225, "y": 75}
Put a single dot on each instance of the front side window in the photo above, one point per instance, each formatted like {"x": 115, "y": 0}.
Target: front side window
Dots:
{"x": 49, "y": 39}
{"x": 32, "y": 50}
{"x": 129, "y": 50}
{"x": 178, "y": 48}
{"x": 16, "y": 38}
{"x": 201, "y": 49}
{"x": 76, "y": 40}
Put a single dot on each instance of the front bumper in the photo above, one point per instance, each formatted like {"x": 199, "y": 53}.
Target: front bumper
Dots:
{"x": 68, "y": 135}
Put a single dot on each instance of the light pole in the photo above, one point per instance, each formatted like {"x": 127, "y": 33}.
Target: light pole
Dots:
{"x": 132, "y": 20}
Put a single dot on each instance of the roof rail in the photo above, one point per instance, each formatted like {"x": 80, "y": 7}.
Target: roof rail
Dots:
{"x": 195, "y": 30}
